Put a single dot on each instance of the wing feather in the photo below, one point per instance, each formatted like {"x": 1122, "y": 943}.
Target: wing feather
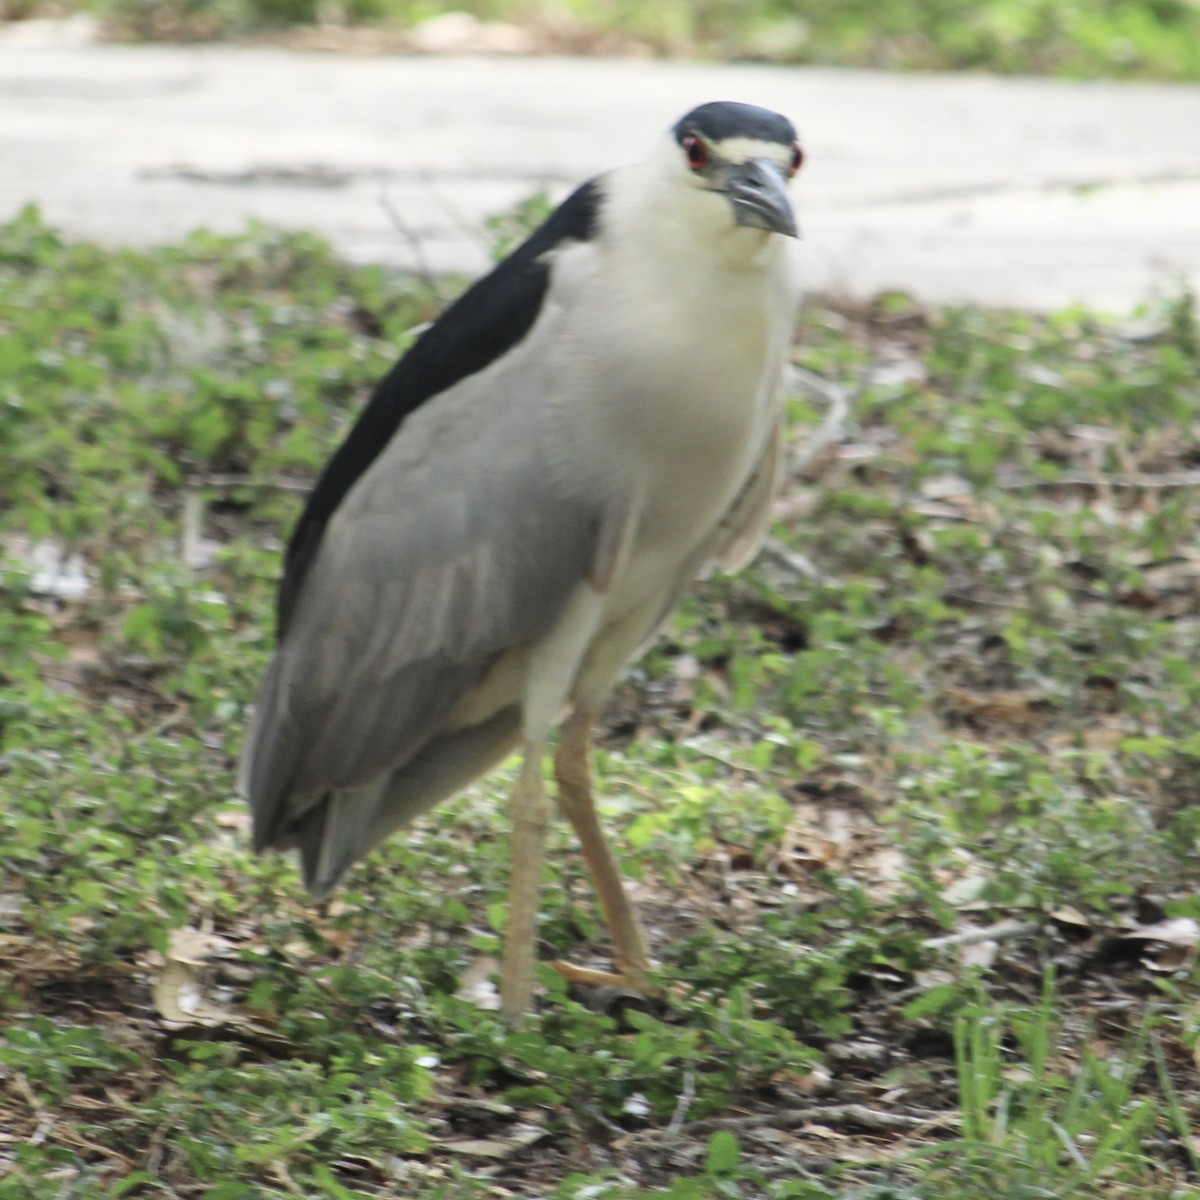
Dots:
{"x": 481, "y": 326}
{"x": 461, "y": 541}
{"x": 745, "y": 525}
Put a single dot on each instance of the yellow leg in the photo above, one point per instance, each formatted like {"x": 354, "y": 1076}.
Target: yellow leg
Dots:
{"x": 571, "y": 768}
{"x": 530, "y": 816}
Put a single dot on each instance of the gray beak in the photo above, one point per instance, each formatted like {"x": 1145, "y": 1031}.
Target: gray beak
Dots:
{"x": 757, "y": 189}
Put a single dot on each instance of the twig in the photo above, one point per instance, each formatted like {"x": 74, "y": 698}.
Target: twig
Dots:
{"x": 1173, "y": 482}
{"x": 793, "y": 561}
{"x": 833, "y": 426}
{"x": 989, "y": 188}
{"x": 984, "y": 602}
{"x": 223, "y": 482}
{"x": 173, "y": 719}
{"x": 192, "y": 538}
{"x": 423, "y": 270}
{"x": 154, "y": 1147}
{"x": 832, "y": 1114}
{"x": 73, "y": 1137}
{"x": 45, "y": 1121}
{"x": 1001, "y": 931}
{"x": 280, "y": 1171}
{"x": 683, "y": 1104}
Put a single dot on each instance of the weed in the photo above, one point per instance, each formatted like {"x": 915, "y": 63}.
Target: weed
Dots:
{"x": 982, "y": 707}
{"x": 1110, "y": 37}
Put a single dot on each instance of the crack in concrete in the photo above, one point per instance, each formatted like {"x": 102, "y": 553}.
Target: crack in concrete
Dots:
{"x": 325, "y": 175}
{"x": 974, "y": 191}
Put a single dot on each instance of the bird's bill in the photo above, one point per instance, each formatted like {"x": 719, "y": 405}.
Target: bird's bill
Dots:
{"x": 757, "y": 189}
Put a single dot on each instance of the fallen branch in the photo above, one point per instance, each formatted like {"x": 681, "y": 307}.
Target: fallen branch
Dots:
{"x": 229, "y": 482}
{"x": 685, "y": 1102}
{"x": 833, "y": 426}
{"x": 831, "y": 1114}
{"x": 1174, "y": 481}
{"x": 992, "y": 933}
{"x": 421, "y": 267}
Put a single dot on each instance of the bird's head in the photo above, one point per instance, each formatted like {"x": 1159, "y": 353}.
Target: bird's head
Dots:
{"x": 743, "y": 155}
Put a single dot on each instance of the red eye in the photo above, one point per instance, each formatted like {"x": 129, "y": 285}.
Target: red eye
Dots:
{"x": 696, "y": 151}
{"x": 797, "y": 158}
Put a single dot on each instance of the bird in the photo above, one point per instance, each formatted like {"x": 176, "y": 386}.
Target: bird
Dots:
{"x": 521, "y": 504}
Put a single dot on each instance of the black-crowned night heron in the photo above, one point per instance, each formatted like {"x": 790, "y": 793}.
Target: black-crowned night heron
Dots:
{"x": 521, "y": 504}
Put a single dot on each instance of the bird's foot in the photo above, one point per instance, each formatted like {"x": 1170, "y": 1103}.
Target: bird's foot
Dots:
{"x": 630, "y": 980}
{"x": 612, "y": 992}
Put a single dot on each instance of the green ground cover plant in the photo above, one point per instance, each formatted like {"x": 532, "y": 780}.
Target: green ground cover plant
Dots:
{"x": 1149, "y": 39}
{"x": 911, "y": 804}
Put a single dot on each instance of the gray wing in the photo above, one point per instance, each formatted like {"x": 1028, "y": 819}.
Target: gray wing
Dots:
{"x": 737, "y": 537}
{"x": 745, "y": 525}
{"x": 461, "y": 541}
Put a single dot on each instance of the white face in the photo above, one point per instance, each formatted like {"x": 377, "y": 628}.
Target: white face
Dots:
{"x": 703, "y": 157}
{"x": 740, "y": 150}
{"x": 750, "y": 175}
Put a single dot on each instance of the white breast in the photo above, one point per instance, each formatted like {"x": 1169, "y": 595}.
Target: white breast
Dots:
{"x": 672, "y": 364}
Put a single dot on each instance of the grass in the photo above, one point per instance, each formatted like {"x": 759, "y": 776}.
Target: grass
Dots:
{"x": 976, "y": 708}
{"x": 1154, "y": 39}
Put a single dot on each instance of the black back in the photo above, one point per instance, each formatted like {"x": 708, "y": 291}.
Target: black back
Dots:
{"x": 723, "y": 119}
{"x": 483, "y": 324}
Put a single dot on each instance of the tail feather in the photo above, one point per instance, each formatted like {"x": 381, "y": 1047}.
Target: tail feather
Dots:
{"x": 344, "y": 826}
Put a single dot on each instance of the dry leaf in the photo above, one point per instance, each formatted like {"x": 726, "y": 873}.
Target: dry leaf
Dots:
{"x": 966, "y": 890}
{"x": 196, "y": 947}
{"x": 179, "y": 999}
{"x": 1171, "y": 958}
{"x": 1009, "y": 709}
{"x": 237, "y": 819}
{"x": 1064, "y": 914}
{"x": 979, "y": 954}
{"x": 178, "y": 994}
{"x": 477, "y": 987}
{"x": 823, "y": 1131}
{"x": 935, "y": 977}
{"x": 1175, "y": 943}
{"x": 520, "y": 1138}
{"x": 1176, "y": 931}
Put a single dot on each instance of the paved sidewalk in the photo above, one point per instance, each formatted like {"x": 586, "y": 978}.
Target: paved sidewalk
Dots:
{"x": 1002, "y": 191}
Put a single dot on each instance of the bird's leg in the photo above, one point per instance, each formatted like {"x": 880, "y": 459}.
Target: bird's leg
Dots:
{"x": 571, "y": 768}
{"x": 530, "y": 807}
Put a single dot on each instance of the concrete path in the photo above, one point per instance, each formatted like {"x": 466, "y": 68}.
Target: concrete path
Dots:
{"x": 1001, "y": 191}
